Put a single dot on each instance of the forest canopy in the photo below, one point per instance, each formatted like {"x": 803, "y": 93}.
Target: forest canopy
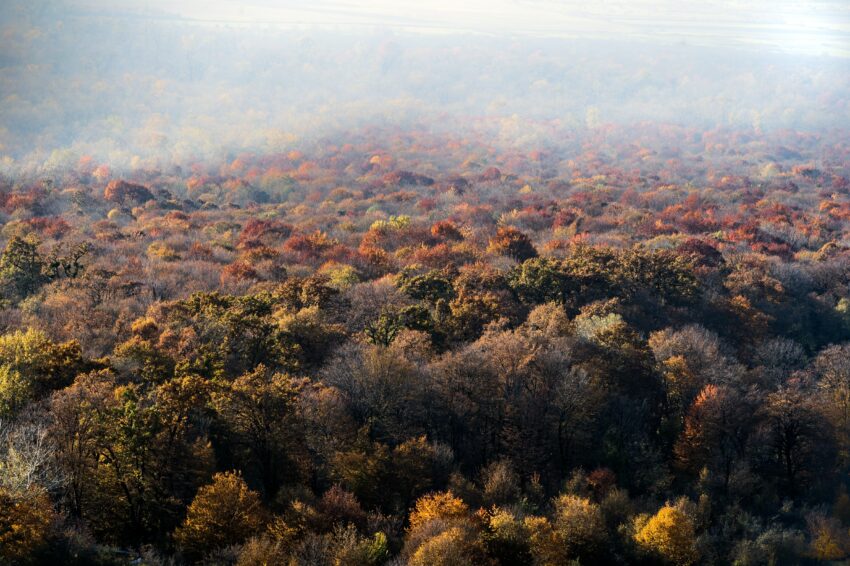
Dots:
{"x": 402, "y": 347}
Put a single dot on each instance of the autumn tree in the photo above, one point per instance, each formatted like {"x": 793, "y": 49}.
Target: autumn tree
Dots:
{"x": 442, "y": 505}
{"x": 31, "y": 365}
{"x": 440, "y": 532}
{"x": 25, "y": 525}
{"x": 798, "y": 443}
{"x": 121, "y": 192}
{"x": 669, "y": 536}
{"x": 511, "y": 242}
{"x": 832, "y": 371}
{"x": 579, "y": 525}
{"x": 133, "y": 456}
{"x": 224, "y": 512}
{"x": 716, "y": 433}
{"x": 258, "y": 410}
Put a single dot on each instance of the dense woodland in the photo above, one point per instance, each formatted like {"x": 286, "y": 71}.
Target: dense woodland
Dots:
{"x": 404, "y": 347}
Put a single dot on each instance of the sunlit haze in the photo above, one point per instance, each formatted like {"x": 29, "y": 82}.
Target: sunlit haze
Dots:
{"x": 158, "y": 81}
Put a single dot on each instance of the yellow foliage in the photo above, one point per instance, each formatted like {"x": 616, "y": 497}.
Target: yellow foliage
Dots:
{"x": 42, "y": 363}
{"x": 442, "y": 505}
{"x": 576, "y": 531}
{"x": 450, "y": 547}
{"x": 25, "y": 350}
{"x": 827, "y": 547}
{"x": 144, "y": 327}
{"x": 545, "y": 545}
{"x": 341, "y": 276}
{"x": 504, "y": 522}
{"x": 24, "y": 525}
{"x": 161, "y": 250}
{"x": 580, "y": 525}
{"x": 395, "y": 223}
{"x": 15, "y": 393}
{"x": 224, "y": 512}
{"x": 829, "y": 540}
{"x": 670, "y": 535}
{"x": 681, "y": 380}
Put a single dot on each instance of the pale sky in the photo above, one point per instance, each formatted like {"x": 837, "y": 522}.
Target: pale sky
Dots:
{"x": 810, "y": 27}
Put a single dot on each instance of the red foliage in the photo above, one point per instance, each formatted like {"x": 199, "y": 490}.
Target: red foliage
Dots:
{"x": 446, "y": 230}
{"x": 238, "y": 271}
{"x": 51, "y": 226}
{"x": 511, "y": 242}
{"x": 121, "y": 192}
{"x": 261, "y": 232}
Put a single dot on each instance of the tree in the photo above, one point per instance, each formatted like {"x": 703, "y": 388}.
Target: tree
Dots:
{"x": 224, "y": 512}
{"x": 15, "y": 392}
{"x": 219, "y": 335}
{"x": 544, "y": 544}
{"x": 829, "y": 540}
{"x": 383, "y": 331}
{"x": 121, "y": 192}
{"x": 383, "y": 388}
{"x": 442, "y": 532}
{"x": 447, "y": 230}
{"x": 506, "y": 537}
{"x": 133, "y": 456}
{"x": 482, "y": 295}
{"x": 22, "y": 269}
{"x": 350, "y": 548}
{"x": 669, "y": 535}
{"x": 541, "y": 280}
{"x": 832, "y": 371}
{"x": 511, "y": 242}
{"x": 501, "y": 483}
{"x": 75, "y": 430}
{"x": 27, "y": 456}
{"x": 689, "y": 359}
{"x": 453, "y": 547}
{"x": 430, "y": 286}
{"x": 716, "y": 433}
{"x": 798, "y": 443}
{"x": 69, "y": 265}
{"x": 442, "y": 505}
{"x": 259, "y": 411}
{"x": 579, "y": 525}
{"x": 364, "y": 469}
{"x": 414, "y": 467}
{"x": 25, "y": 523}
{"x": 33, "y": 365}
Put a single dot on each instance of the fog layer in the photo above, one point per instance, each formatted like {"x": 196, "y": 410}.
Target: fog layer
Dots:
{"x": 146, "y": 85}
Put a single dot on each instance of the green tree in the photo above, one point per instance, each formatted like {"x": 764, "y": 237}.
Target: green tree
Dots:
{"x": 259, "y": 409}
{"x": 383, "y": 331}
{"x": 22, "y": 269}
{"x": 133, "y": 456}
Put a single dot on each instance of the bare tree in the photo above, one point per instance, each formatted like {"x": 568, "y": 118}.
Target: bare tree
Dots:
{"x": 26, "y": 455}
